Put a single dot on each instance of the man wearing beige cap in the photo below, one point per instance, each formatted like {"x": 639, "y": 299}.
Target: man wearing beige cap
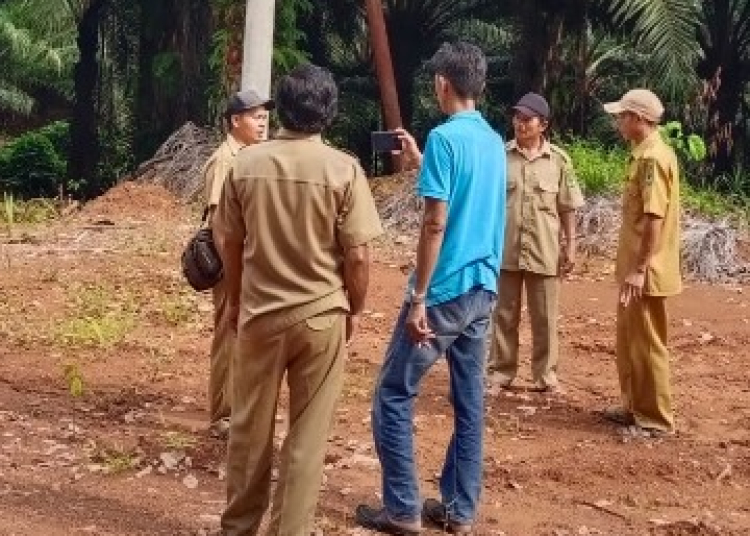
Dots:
{"x": 247, "y": 120}
{"x": 647, "y": 267}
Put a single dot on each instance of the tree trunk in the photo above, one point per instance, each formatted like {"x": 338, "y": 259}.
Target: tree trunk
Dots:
{"x": 258, "y": 46}
{"x": 83, "y": 157}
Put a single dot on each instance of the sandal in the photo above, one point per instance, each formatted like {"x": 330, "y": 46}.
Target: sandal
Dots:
{"x": 378, "y": 519}
{"x": 619, "y": 416}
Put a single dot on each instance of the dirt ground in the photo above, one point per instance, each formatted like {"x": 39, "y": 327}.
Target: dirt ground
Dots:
{"x": 103, "y": 370}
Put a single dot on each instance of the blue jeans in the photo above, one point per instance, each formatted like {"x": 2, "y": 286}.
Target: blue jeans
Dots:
{"x": 460, "y": 326}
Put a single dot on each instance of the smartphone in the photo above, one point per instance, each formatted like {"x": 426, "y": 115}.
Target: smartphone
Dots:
{"x": 384, "y": 141}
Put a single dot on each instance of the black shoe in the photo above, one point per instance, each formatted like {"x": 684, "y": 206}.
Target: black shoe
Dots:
{"x": 435, "y": 514}
{"x": 377, "y": 519}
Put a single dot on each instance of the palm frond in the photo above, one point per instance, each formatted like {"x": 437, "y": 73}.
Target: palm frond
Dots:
{"x": 15, "y": 100}
{"x": 666, "y": 28}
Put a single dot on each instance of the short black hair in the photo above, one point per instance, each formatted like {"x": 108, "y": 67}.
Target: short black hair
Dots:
{"x": 464, "y": 65}
{"x": 307, "y": 99}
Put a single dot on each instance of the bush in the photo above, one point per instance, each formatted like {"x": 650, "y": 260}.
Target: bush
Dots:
{"x": 600, "y": 170}
{"x": 34, "y": 164}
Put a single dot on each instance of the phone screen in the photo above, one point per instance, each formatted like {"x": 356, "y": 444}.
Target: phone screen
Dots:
{"x": 385, "y": 141}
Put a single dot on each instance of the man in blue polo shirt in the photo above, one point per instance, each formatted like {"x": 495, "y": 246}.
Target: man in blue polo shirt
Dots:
{"x": 447, "y": 312}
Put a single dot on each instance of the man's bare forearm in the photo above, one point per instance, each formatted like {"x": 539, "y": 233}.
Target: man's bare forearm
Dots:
{"x": 430, "y": 242}
{"x": 357, "y": 277}
{"x": 568, "y": 220}
{"x": 651, "y": 237}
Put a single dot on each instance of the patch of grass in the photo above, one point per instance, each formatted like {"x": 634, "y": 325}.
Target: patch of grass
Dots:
{"x": 118, "y": 461}
{"x": 74, "y": 379}
{"x": 174, "y": 440}
{"x": 100, "y": 317}
{"x": 33, "y": 211}
{"x": 600, "y": 170}
{"x": 176, "y": 310}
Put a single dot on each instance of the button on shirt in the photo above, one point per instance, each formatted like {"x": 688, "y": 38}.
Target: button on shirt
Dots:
{"x": 296, "y": 205}
{"x": 653, "y": 187}
{"x": 539, "y": 190}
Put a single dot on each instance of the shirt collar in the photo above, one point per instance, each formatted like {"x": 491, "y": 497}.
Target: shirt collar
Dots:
{"x": 640, "y": 149}
{"x": 546, "y": 149}
{"x": 466, "y": 114}
{"x": 285, "y": 134}
{"x": 234, "y": 145}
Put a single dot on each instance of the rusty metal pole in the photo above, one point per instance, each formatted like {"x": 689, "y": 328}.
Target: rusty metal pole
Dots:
{"x": 384, "y": 68}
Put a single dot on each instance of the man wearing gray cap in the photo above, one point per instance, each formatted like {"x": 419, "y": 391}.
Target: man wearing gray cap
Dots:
{"x": 647, "y": 267}
{"x": 247, "y": 121}
{"x": 543, "y": 195}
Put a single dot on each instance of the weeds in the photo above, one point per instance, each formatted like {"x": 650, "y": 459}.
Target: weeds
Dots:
{"x": 74, "y": 379}
{"x": 176, "y": 310}
{"x": 174, "y": 440}
{"x": 101, "y": 319}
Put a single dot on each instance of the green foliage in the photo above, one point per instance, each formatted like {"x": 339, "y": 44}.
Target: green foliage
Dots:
{"x": 99, "y": 317}
{"x": 600, "y": 170}
{"x": 34, "y": 164}
{"x": 74, "y": 379}
{"x": 688, "y": 146}
{"x": 288, "y": 37}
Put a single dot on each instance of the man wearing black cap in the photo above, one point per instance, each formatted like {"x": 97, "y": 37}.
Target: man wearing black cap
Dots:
{"x": 247, "y": 118}
{"x": 543, "y": 195}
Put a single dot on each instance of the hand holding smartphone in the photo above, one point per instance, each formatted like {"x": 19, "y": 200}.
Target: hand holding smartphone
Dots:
{"x": 385, "y": 141}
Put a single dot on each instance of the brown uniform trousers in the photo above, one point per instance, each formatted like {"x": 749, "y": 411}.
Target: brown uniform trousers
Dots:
{"x": 295, "y": 206}
{"x": 312, "y": 355}
{"x": 539, "y": 190}
{"x": 542, "y": 295}
{"x": 215, "y": 173}
{"x": 653, "y": 187}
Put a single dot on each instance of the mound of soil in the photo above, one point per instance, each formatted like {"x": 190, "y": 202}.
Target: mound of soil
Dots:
{"x": 134, "y": 201}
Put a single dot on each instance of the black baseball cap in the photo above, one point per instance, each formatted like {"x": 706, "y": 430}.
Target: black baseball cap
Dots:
{"x": 533, "y": 104}
{"x": 247, "y": 100}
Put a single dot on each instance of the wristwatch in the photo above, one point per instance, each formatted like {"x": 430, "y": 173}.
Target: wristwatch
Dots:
{"x": 416, "y": 298}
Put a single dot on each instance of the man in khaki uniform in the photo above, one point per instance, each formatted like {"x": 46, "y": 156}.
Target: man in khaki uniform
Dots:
{"x": 648, "y": 266}
{"x": 543, "y": 195}
{"x": 247, "y": 118}
{"x": 294, "y": 225}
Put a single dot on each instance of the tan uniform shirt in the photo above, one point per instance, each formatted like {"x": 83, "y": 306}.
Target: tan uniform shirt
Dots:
{"x": 297, "y": 204}
{"x": 217, "y": 169}
{"x": 538, "y": 191}
{"x": 653, "y": 187}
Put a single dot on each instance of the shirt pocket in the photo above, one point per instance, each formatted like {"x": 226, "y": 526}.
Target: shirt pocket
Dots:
{"x": 547, "y": 189}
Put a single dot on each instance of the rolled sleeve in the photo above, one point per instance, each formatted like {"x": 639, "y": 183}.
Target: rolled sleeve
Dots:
{"x": 434, "y": 179}
{"x": 228, "y": 221}
{"x": 358, "y": 221}
{"x": 654, "y": 185}
{"x": 570, "y": 196}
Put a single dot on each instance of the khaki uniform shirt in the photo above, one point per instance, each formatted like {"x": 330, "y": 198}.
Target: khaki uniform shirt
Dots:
{"x": 297, "y": 204}
{"x": 216, "y": 170}
{"x": 538, "y": 191}
{"x": 653, "y": 187}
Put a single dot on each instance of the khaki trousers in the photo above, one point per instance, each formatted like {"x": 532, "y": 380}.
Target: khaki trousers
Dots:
{"x": 312, "y": 355}
{"x": 222, "y": 345}
{"x": 542, "y": 295}
{"x": 643, "y": 362}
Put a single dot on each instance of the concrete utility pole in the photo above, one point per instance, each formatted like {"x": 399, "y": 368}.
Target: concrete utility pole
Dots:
{"x": 257, "y": 46}
{"x": 383, "y": 63}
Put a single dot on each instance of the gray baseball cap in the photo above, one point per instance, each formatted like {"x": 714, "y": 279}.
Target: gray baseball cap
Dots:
{"x": 247, "y": 100}
{"x": 533, "y": 104}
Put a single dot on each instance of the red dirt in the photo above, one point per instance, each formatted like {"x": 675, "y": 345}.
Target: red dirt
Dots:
{"x": 553, "y": 466}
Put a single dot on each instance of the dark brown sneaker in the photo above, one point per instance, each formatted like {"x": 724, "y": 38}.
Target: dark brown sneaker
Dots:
{"x": 377, "y": 519}
{"x": 619, "y": 416}
{"x": 435, "y": 514}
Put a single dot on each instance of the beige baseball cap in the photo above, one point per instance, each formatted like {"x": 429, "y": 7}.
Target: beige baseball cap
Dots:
{"x": 639, "y": 101}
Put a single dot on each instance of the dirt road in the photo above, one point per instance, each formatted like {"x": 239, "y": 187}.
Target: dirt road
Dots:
{"x": 103, "y": 363}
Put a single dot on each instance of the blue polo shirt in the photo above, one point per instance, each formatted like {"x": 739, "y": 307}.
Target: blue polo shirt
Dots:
{"x": 464, "y": 165}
